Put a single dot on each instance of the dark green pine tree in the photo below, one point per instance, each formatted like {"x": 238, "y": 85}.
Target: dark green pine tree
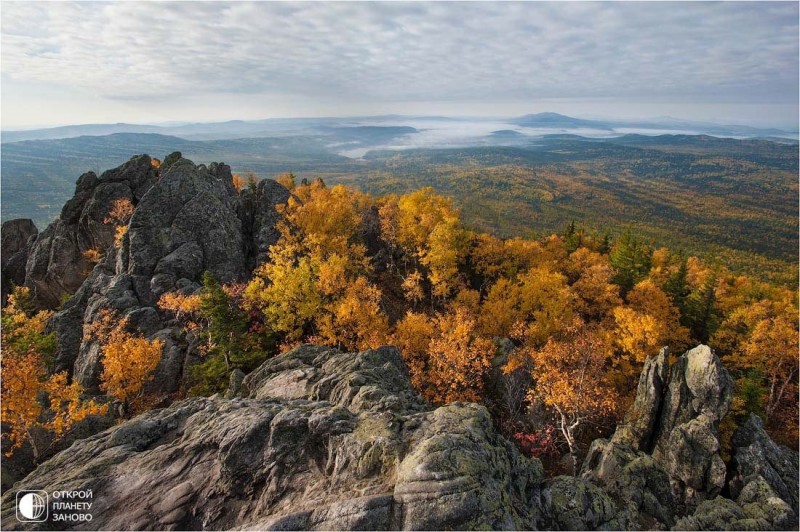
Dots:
{"x": 631, "y": 260}
{"x": 230, "y": 346}
{"x": 605, "y": 245}
{"x": 572, "y": 237}
{"x": 702, "y": 316}
{"x": 678, "y": 290}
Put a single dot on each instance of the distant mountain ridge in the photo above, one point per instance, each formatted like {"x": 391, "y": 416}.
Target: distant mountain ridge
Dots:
{"x": 270, "y": 127}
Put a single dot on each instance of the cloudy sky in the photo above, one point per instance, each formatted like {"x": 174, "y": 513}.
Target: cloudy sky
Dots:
{"x": 70, "y": 63}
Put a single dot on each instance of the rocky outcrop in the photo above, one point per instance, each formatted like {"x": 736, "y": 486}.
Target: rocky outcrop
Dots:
{"x": 258, "y": 210}
{"x": 188, "y": 219}
{"x": 317, "y": 439}
{"x": 664, "y": 463}
{"x": 766, "y": 474}
{"x": 56, "y": 265}
{"x": 16, "y": 238}
{"x": 686, "y": 443}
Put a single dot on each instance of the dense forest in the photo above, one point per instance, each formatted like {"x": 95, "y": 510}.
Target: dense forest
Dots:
{"x": 731, "y": 202}
{"x": 549, "y": 333}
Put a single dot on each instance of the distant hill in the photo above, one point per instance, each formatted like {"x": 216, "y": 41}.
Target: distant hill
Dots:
{"x": 555, "y": 120}
{"x": 507, "y": 133}
{"x": 76, "y": 131}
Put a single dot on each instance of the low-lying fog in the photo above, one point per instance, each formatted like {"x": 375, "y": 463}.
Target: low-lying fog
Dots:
{"x": 448, "y": 133}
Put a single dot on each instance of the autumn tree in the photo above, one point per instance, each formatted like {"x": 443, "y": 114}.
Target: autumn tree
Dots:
{"x": 428, "y": 230}
{"x": 570, "y": 376}
{"x": 355, "y": 321}
{"x": 239, "y": 182}
{"x": 287, "y": 179}
{"x": 649, "y": 322}
{"x": 458, "y": 359}
{"x": 119, "y": 215}
{"x": 759, "y": 344}
{"x": 547, "y": 303}
{"x": 591, "y": 278}
{"x": 412, "y": 335}
{"x": 316, "y": 284}
{"x": 32, "y": 400}
{"x": 128, "y": 360}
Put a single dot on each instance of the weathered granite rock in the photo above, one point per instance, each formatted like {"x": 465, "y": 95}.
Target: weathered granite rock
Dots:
{"x": 56, "y": 265}
{"x": 638, "y": 428}
{"x": 343, "y": 443}
{"x": 686, "y": 444}
{"x": 186, "y": 221}
{"x": 676, "y": 422}
{"x": 764, "y": 471}
{"x": 16, "y": 238}
{"x": 571, "y": 503}
{"x": 640, "y": 485}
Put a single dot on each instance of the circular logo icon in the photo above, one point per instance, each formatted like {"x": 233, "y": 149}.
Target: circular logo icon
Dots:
{"x": 32, "y": 506}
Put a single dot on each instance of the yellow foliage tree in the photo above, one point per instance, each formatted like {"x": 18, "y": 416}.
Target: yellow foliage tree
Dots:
{"x": 119, "y": 215}
{"x": 239, "y": 182}
{"x": 458, "y": 359}
{"x": 25, "y": 382}
{"x": 128, "y": 360}
{"x": 286, "y": 292}
{"x": 412, "y": 335}
{"x": 649, "y": 322}
{"x": 592, "y": 274}
{"x": 547, "y": 302}
{"x": 287, "y": 179}
{"x": 355, "y": 321}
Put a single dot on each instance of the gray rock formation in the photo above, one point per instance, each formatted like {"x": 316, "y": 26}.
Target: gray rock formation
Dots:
{"x": 638, "y": 429}
{"x": 16, "y": 238}
{"x": 686, "y": 444}
{"x": 187, "y": 220}
{"x": 766, "y": 473}
{"x": 321, "y": 440}
{"x": 663, "y": 461}
{"x": 56, "y": 266}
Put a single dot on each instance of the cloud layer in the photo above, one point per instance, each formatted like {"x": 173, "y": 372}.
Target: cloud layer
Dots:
{"x": 405, "y": 52}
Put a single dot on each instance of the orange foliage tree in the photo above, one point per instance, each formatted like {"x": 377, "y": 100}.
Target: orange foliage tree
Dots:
{"x": 25, "y": 383}
{"x": 570, "y": 376}
{"x": 447, "y": 359}
{"x": 239, "y": 182}
{"x": 119, "y": 215}
{"x": 128, "y": 360}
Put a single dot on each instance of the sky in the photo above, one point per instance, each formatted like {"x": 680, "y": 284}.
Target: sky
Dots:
{"x": 151, "y": 62}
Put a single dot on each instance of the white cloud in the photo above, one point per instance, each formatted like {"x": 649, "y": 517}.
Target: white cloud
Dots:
{"x": 405, "y": 52}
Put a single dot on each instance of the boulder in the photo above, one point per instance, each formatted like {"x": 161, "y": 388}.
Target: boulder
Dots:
{"x": 320, "y": 440}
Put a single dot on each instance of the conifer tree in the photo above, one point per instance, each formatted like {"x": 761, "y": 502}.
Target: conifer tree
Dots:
{"x": 631, "y": 260}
